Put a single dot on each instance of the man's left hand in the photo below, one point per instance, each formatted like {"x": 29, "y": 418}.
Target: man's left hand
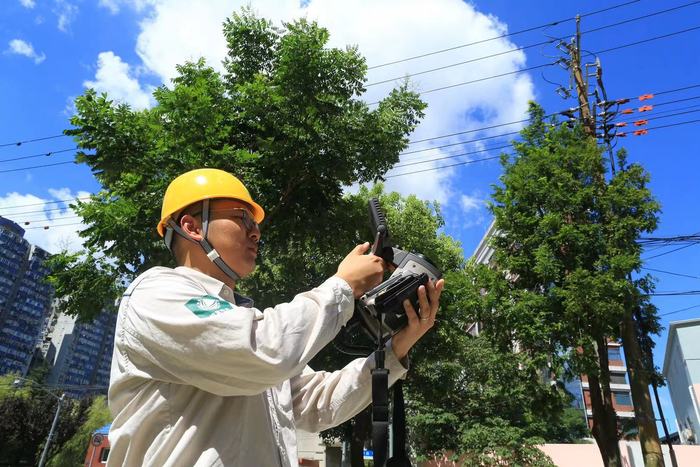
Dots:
{"x": 418, "y": 322}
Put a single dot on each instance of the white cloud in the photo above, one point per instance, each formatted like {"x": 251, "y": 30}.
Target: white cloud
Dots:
{"x": 471, "y": 203}
{"x": 111, "y": 5}
{"x": 20, "y": 47}
{"x": 63, "y": 225}
{"x": 65, "y": 12}
{"x": 383, "y": 30}
{"x": 115, "y": 77}
{"x": 28, "y": 3}
{"x": 473, "y": 210}
{"x": 114, "y": 6}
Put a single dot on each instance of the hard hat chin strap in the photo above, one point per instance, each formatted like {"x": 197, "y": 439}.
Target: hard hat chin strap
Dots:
{"x": 210, "y": 251}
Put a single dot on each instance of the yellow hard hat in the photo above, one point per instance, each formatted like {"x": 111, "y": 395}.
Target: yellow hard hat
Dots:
{"x": 200, "y": 184}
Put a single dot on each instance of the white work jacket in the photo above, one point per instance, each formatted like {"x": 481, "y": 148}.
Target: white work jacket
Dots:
{"x": 198, "y": 380}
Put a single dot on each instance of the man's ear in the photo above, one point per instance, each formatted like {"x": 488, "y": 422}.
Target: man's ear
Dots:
{"x": 192, "y": 227}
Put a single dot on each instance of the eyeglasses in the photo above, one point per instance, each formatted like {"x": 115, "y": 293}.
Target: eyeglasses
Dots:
{"x": 246, "y": 217}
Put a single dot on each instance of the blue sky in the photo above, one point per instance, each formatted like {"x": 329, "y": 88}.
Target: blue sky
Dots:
{"x": 50, "y": 50}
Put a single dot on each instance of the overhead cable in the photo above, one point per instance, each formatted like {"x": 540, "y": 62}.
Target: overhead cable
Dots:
{"x": 529, "y": 46}
{"x": 482, "y": 41}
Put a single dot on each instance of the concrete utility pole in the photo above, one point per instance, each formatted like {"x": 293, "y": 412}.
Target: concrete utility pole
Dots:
{"x": 638, "y": 374}
{"x": 42, "y": 461}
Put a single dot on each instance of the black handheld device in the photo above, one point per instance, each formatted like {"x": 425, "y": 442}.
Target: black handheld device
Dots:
{"x": 381, "y": 309}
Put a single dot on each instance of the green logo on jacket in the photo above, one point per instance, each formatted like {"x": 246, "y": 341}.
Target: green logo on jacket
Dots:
{"x": 207, "y": 305}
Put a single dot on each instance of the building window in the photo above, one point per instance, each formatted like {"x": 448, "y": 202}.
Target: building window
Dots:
{"x": 618, "y": 378}
{"x": 622, "y": 398}
{"x": 614, "y": 353}
{"x": 103, "y": 454}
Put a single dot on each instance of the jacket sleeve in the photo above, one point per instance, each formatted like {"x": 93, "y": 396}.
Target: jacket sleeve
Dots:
{"x": 237, "y": 351}
{"x": 322, "y": 400}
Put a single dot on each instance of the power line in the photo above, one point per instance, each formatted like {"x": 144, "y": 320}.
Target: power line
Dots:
{"x": 671, "y": 273}
{"x": 19, "y": 143}
{"x": 529, "y": 46}
{"x": 496, "y": 157}
{"x": 678, "y": 311}
{"x": 36, "y": 167}
{"x": 445, "y": 166}
{"x": 47, "y": 202}
{"x": 43, "y": 154}
{"x": 451, "y": 156}
{"x": 646, "y": 40}
{"x": 550, "y": 115}
{"x": 47, "y": 227}
{"x": 669, "y": 252}
{"x": 452, "y": 65}
{"x": 550, "y": 64}
{"x": 674, "y": 293}
{"x": 482, "y": 41}
{"x": 459, "y": 143}
{"x": 653, "y": 116}
{"x": 34, "y": 221}
{"x": 37, "y": 211}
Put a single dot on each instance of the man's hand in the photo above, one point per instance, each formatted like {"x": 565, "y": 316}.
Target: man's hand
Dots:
{"x": 418, "y": 323}
{"x": 361, "y": 271}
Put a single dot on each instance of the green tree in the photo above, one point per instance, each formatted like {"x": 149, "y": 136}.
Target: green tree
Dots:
{"x": 565, "y": 247}
{"x": 72, "y": 452}
{"x": 27, "y": 413}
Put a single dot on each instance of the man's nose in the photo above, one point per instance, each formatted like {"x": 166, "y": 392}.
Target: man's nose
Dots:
{"x": 254, "y": 233}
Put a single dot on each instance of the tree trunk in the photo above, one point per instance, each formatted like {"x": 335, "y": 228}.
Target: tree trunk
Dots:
{"x": 604, "y": 432}
{"x": 639, "y": 384}
{"x": 604, "y": 419}
{"x": 360, "y": 434}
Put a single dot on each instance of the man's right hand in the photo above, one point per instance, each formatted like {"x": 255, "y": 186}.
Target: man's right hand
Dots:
{"x": 362, "y": 272}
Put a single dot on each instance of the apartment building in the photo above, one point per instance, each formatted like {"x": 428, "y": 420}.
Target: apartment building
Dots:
{"x": 25, "y": 298}
{"x": 80, "y": 353}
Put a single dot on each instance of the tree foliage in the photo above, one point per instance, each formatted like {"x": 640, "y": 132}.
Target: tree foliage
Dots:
{"x": 565, "y": 249}
{"x": 27, "y": 413}
{"x": 72, "y": 452}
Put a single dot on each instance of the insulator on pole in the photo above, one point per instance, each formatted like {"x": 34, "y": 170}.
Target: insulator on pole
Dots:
{"x": 627, "y": 111}
{"x": 640, "y": 122}
{"x": 646, "y": 108}
{"x": 641, "y": 132}
{"x": 645, "y": 97}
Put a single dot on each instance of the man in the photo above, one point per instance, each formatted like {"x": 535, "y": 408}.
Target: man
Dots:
{"x": 200, "y": 377}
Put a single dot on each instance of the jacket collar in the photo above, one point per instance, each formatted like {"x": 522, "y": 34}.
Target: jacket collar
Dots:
{"x": 215, "y": 287}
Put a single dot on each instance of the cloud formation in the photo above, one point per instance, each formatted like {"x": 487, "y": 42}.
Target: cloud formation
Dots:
{"x": 116, "y": 78}
{"x": 52, "y": 226}
{"x": 383, "y": 30}
{"x": 65, "y": 13}
{"x": 114, "y": 6}
{"x": 20, "y": 47}
{"x": 28, "y": 3}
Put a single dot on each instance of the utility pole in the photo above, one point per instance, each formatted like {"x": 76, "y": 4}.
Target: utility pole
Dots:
{"x": 638, "y": 376}
{"x": 604, "y": 427}
{"x": 42, "y": 461}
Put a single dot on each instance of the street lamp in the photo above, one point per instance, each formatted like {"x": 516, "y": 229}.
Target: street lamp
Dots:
{"x": 18, "y": 382}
